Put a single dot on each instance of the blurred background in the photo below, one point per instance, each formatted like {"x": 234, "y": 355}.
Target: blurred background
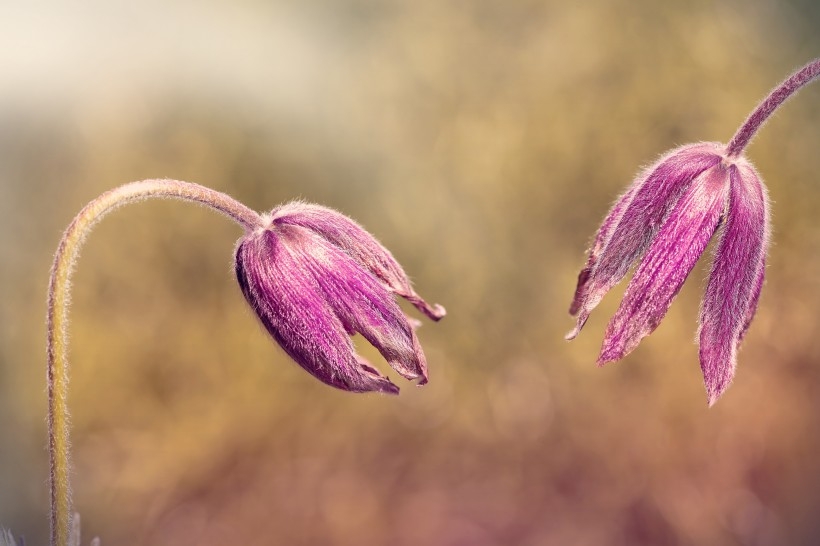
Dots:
{"x": 482, "y": 142}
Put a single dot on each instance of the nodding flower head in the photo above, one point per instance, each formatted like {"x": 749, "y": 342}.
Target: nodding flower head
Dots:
{"x": 315, "y": 277}
{"x": 668, "y": 216}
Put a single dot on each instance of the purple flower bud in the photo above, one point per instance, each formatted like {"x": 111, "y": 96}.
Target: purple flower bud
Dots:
{"x": 315, "y": 278}
{"x": 668, "y": 216}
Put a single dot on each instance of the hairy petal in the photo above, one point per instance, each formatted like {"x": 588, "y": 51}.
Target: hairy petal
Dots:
{"x": 670, "y": 259}
{"x": 735, "y": 280}
{"x": 360, "y": 245}
{"x": 611, "y": 220}
{"x": 758, "y": 287}
{"x": 628, "y": 234}
{"x": 362, "y": 303}
{"x": 294, "y": 310}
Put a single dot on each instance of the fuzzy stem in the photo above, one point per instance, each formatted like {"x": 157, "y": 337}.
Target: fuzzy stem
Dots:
{"x": 58, "y": 301}
{"x": 778, "y": 96}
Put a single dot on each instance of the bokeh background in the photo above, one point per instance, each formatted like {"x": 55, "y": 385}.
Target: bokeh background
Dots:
{"x": 482, "y": 142}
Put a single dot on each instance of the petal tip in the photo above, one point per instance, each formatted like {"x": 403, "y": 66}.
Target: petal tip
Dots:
{"x": 610, "y": 353}
{"x": 604, "y": 360}
{"x": 439, "y": 311}
{"x": 714, "y": 392}
{"x": 389, "y": 388}
{"x": 718, "y": 367}
{"x": 373, "y": 380}
{"x": 434, "y": 312}
{"x": 381, "y": 385}
{"x": 579, "y": 324}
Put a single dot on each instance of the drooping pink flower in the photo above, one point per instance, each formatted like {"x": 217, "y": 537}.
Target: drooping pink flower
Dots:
{"x": 314, "y": 278}
{"x": 665, "y": 220}
{"x": 668, "y": 216}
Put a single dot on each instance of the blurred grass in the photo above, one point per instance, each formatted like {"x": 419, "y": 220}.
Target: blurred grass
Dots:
{"x": 482, "y": 143}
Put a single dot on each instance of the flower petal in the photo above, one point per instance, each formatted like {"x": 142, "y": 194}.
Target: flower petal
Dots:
{"x": 670, "y": 259}
{"x": 361, "y": 302}
{"x": 758, "y": 287}
{"x": 349, "y": 236}
{"x": 735, "y": 280}
{"x": 609, "y": 224}
{"x": 293, "y": 309}
{"x": 626, "y": 234}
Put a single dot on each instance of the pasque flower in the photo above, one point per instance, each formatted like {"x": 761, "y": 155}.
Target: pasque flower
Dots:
{"x": 665, "y": 220}
{"x": 314, "y": 278}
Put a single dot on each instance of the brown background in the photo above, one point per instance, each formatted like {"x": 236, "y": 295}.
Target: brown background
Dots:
{"x": 482, "y": 142}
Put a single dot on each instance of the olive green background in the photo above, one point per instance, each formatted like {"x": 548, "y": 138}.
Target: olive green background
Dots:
{"x": 482, "y": 142}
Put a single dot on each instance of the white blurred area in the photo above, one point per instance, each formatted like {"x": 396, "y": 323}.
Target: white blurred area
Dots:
{"x": 99, "y": 55}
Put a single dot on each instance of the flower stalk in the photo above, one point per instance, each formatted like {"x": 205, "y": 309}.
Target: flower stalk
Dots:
{"x": 58, "y": 303}
{"x": 772, "y": 102}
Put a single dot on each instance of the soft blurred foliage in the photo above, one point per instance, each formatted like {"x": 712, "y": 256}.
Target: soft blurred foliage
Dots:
{"x": 482, "y": 142}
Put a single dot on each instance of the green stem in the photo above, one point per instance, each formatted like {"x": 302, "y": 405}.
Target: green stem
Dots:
{"x": 58, "y": 301}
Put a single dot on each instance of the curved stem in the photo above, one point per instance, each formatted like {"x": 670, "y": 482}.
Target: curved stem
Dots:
{"x": 58, "y": 300}
{"x": 778, "y": 96}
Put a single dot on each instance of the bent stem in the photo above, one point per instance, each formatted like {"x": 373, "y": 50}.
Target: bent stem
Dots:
{"x": 58, "y": 302}
{"x": 777, "y": 97}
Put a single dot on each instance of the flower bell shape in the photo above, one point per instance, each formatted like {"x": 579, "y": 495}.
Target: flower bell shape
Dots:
{"x": 315, "y": 278}
{"x": 667, "y": 218}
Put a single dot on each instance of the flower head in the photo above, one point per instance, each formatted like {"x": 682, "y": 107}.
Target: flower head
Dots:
{"x": 314, "y": 278}
{"x": 668, "y": 216}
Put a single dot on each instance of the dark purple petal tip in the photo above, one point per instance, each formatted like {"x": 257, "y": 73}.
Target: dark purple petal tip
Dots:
{"x": 315, "y": 278}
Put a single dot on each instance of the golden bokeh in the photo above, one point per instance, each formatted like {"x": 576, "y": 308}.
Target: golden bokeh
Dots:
{"x": 482, "y": 142}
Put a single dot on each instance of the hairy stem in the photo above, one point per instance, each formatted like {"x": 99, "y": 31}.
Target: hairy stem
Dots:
{"x": 58, "y": 301}
{"x": 778, "y": 96}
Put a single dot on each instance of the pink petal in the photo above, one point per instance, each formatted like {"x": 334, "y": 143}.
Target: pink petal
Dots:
{"x": 349, "y": 236}
{"x": 735, "y": 281}
{"x": 294, "y": 310}
{"x": 670, "y": 259}
{"x": 625, "y": 235}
